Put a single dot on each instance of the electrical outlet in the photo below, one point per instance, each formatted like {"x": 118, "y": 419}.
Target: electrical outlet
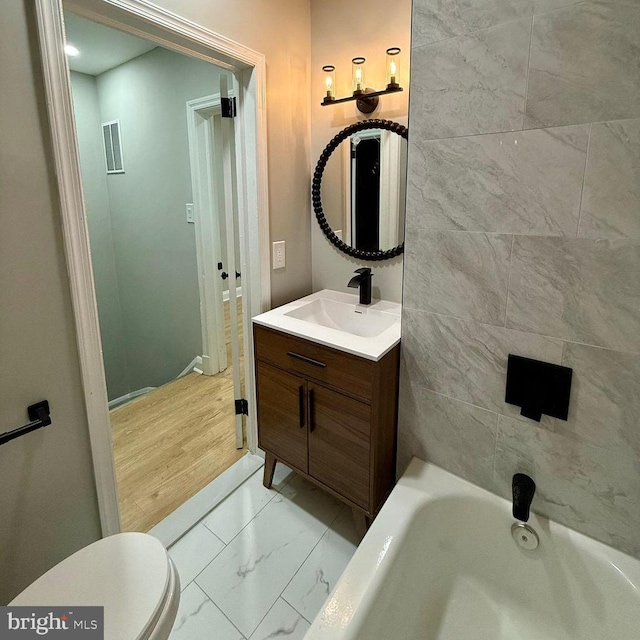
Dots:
{"x": 278, "y": 257}
{"x": 190, "y": 213}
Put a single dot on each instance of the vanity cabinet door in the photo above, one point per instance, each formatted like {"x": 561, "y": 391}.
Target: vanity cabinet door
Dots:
{"x": 282, "y": 415}
{"x": 339, "y": 443}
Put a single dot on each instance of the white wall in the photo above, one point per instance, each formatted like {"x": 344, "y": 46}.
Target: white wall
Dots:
{"x": 340, "y": 31}
{"x": 48, "y": 506}
{"x": 279, "y": 29}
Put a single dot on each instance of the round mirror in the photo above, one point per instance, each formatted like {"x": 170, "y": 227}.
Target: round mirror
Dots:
{"x": 358, "y": 189}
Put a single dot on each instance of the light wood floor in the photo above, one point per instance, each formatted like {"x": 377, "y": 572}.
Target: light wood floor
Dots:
{"x": 172, "y": 442}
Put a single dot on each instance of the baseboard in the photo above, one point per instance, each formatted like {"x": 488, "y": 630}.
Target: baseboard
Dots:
{"x": 225, "y": 294}
{"x": 194, "y": 365}
{"x": 113, "y": 404}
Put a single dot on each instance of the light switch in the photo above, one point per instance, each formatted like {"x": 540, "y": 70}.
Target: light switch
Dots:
{"x": 190, "y": 213}
{"x": 278, "y": 257}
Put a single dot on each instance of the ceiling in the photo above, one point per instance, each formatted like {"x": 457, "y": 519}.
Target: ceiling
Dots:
{"x": 101, "y": 48}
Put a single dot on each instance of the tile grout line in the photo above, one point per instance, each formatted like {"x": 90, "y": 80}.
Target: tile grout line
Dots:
{"x": 526, "y": 86}
{"x": 194, "y": 581}
{"x": 307, "y": 557}
{"x": 499, "y": 24}
{"x": 530, "y": 332}
{"x": 296, "y": 573}
{"x": 529, "y": 129}
{"x": 506, "y": 308}
{"x": 266, "y": 504}
{"x": 226, "y": 544}
{"x": 220, "y": 610}
{"x": 301, "y": 615}
{"x": 498, "y": 414}
{"x": 584, "y": 179}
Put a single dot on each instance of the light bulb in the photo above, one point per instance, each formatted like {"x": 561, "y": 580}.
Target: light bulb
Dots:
{"x": 357, "y": 77}
{"x": 71, "y": 51}
{"x": 393, "y": 68}
{"x": 329, "y": 82}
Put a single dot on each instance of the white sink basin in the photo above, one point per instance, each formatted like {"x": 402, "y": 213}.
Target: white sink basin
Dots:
{"x": 337, "y": 320}
{"x": 352, "y": 318}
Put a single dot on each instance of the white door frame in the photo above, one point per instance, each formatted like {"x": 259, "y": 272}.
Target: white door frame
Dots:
{"x": 207, "y": 230}
{"x": 144, "y": 19}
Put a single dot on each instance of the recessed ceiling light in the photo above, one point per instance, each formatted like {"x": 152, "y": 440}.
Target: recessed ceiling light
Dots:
{"x": 70, "y": 50}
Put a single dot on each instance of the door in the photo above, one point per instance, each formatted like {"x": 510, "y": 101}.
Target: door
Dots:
{"x": 208, "y": 211}
{"x": 233, "y": 242}
{"x": 282, "y": 414}
{"x": 212, "y": 150}
{"x": 339, "y": 442}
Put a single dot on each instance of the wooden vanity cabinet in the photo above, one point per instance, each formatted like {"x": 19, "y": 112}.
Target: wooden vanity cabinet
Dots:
{"x": 329, "y": 415}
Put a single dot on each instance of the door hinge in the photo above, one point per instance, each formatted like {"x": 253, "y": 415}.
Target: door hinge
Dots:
{"x": 228, "y": 107}
{"x": 242, "y": 407}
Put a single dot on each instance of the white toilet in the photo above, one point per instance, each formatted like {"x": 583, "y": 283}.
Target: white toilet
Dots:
{"x": 130, "y": 574}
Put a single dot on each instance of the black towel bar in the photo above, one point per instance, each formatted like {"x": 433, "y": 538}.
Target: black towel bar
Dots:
{"x": 39, "y": 415}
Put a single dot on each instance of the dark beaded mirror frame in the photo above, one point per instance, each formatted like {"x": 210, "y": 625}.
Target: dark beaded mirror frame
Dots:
{"x": 316, "y": 184}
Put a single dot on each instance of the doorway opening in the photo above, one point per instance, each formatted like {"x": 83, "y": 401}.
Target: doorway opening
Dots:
{"x": 156, "y": 158}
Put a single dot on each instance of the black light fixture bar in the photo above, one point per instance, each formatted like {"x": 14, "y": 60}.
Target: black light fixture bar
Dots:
{"x": 360, "y": 96}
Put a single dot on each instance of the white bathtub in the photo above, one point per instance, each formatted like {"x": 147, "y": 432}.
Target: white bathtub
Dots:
{"x": 439, "y": 563}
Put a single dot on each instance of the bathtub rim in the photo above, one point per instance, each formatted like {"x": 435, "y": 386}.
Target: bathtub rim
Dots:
{"x": 345, "y": 611}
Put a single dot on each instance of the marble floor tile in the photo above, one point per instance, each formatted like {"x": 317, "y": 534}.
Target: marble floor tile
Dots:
{"x": 456, "y": 436}
{"x": 584, "y": 487}
{"x": 581, "y": 67}
{"x": 199, "y": 619}
{"x": 470, "y": 84}
{"x": 467, "y": 361}
{"x": 310, "y": 587}
{"x": 458, "y": 274}
{"x": 233, "y": 514}
{"x": 246, "y": 579}
{"x": 193, "y": 552}
{"x": 611, "y": 200}
{"x": 282, "y": 621}
{"x": 502, "y": 182}
{"x": 579, "y": 290}
{"x": 605, "y": 398}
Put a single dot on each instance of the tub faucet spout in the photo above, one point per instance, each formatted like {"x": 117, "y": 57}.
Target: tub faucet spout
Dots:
{"x": 523, "y": 488}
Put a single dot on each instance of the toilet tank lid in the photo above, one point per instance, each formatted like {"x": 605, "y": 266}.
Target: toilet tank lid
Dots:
{"x": 127, "y": 573}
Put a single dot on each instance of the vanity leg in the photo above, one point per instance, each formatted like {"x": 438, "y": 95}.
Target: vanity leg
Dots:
{"x": 361, "y": 521}
{"x": 269, "y": 468}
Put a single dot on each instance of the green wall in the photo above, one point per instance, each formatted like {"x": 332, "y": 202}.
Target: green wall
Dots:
{"x": 149, "y": 241}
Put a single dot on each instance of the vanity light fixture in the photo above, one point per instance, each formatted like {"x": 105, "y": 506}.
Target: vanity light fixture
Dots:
{"x": 366, "y": 99}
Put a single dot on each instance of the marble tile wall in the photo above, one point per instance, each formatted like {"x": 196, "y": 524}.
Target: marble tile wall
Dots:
{"x": 523, "y": 236}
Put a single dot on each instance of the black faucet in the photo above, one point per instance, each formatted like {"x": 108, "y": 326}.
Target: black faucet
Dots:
{"x": 523, "y": 488}
{"x": 362, "y": 281}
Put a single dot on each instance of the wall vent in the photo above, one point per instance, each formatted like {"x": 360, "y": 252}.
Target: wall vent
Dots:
{"x": 112, "y": 146}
